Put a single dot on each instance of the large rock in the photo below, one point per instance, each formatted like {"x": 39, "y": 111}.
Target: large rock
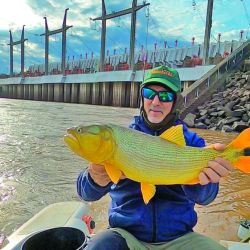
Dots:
{"x": 240, "y": 126}
{"x": 189, "y": 119}
{"x": 247, "y": 106}
{"x": 214, "y": 114}
{"x": 200, "y": 119}
{"x": 221, "y": 113}
{"x": 201, "y": 107}
{"x": 211, "y": 110}
{"x": 237, "y": 107}
{"x": 232, "y": 103}
{"x": 200, "y": 126}
{"x": 238, "y": 113}
{"x": 231, "y": 84}
{"x": 231, "y": 120}
{"x": 245, "y": 118}
{"x": 241, "y": 83}
{"x": 207, "y": 122}
{"x": 203, "y": 112}
{"x": 226, "y": 128}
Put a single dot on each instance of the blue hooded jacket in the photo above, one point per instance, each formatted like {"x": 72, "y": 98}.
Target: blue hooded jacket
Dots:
{"x": 169, "y": 214}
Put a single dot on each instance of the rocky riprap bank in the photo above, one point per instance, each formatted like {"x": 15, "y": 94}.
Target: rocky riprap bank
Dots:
{"x": 228, "y": 110}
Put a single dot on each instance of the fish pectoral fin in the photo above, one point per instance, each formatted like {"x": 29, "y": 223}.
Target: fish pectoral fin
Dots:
{"x": 113, "y": 173}
{"x": 148, "y": 191}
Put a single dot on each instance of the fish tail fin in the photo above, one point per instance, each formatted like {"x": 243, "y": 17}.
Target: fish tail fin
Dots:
{"x": 242, "y": 142}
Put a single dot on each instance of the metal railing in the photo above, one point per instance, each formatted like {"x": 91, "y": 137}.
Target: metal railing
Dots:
{"x": 199, "y": 87}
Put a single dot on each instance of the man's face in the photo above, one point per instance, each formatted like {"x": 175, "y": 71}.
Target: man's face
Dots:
{"x": 155, "y": 109}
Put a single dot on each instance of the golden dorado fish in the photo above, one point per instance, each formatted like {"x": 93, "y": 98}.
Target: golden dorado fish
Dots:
{"x": 151, "y": 160}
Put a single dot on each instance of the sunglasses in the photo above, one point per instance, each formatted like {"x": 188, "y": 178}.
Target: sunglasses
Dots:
{"x": 164, "y": 96}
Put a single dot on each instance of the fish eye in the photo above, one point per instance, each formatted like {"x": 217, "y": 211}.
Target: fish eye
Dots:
{"x": 79, "y": 130}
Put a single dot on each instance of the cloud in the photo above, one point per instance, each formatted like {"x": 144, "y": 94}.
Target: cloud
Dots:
{"x": 168, "y": 21}
{"x": 21, "y": 14}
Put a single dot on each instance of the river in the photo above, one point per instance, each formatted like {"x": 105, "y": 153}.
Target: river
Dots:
{"x": 37, "y": 169}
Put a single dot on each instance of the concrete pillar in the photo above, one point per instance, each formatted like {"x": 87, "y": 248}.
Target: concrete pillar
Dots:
{"x": 119, "y": 94}
{"x": 67, "y": 92}
{"x": 75, "y": 92}
{"x": 85, "y": 93}
{"x": 50, "y": 92}
{"x": 58, "y": 92}
{"x": 106, "y": 93}
{"x": 14, "y": 91}
{"x": 134, "y": 94}
{"x": 20, "y": 91}
{"x": 31, "y": 92}
{"x": 10, "y": 91}
{"x": 26, "y": 92}
{"x": 4, "y": 91}
{"x": 45, "y": 92}
{"x": 38, "y": 92}
{"x": 127, "y": 93}
{"x": 96, "y": 93}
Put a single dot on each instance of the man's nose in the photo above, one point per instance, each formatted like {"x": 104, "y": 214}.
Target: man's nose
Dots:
{"x": 156, "y": 100}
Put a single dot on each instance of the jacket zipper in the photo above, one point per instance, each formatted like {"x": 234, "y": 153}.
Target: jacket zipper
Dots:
{"x": 154, "y": 224}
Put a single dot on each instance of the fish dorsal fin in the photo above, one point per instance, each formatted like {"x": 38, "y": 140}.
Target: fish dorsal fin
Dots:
{"x": 174, "y": 135}
{"x": 113, "y": 173}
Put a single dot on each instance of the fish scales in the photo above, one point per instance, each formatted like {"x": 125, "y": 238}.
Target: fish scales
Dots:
{"x": 162, "y": 157}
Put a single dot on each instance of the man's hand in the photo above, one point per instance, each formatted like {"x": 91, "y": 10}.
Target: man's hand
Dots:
{"x": 216, "y": 169}
{"x": 99, "y": 174}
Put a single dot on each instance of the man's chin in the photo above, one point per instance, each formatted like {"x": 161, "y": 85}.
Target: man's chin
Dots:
{"x": 155, "y": 119}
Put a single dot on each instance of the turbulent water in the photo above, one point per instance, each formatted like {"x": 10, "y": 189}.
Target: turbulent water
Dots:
{"x": 37, "y": 169}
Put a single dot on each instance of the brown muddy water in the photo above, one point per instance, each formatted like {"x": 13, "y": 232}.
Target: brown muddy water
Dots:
{"x": 37, "y": 169}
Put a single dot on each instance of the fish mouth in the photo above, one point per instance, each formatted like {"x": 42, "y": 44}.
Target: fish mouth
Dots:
{"x": 72, "y": 141}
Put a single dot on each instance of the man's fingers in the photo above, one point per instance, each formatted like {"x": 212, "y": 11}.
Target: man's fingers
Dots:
{"x": 221, "y": 170}
{"x": 225, "y": 163}
{"x": 212, "y": 175}
{"x": 203, "y": 179}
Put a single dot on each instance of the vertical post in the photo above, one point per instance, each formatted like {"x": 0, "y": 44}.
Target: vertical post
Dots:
{"x": 104, "y": 17}
{"x": 11, "y": 54}
{"x": 193, "y": 38}
{"x": 46, "y": 47}
{"x": 22, "y": 52}
{"x": 53, "y": 32}
{"x": 241, "y": 34}
{"x": 64, "y": 30}
{"x": 207, "y": 31}
{"x": 219, "y": 36}
{"x": 132, "y": 36}
{"x": 103, "y": 37}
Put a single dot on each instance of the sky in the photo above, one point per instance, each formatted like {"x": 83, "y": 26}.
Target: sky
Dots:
{"x": 163, "y": 20}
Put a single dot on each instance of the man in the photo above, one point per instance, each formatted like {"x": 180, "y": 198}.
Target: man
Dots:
{"x": 166, "y": 222}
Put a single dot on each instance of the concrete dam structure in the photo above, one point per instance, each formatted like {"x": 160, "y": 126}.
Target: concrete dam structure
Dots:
{"x": 117, "y": 88}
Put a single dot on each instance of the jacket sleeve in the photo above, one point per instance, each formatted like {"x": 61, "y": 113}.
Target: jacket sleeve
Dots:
{"x": 88, "y": 190}
{"x": 192, "y": 139}
{"x": 200, "y": 194}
